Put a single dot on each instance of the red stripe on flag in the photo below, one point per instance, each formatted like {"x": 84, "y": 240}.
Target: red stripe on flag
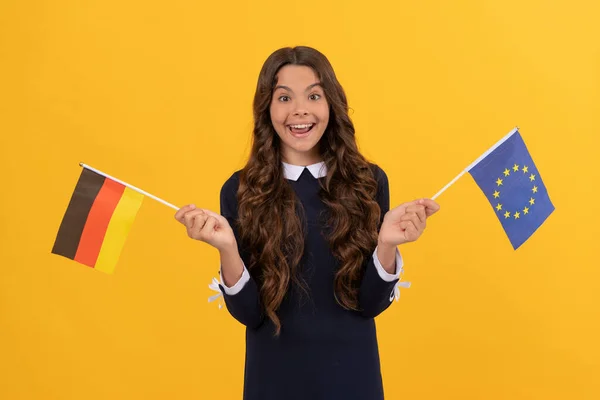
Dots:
{"x": 97, "y": 222}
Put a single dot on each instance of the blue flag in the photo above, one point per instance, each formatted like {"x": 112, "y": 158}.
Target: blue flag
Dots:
{"x": 513, "y": 185}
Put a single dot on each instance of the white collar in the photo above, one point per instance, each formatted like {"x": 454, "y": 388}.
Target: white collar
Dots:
{"x": 293, "y": 172}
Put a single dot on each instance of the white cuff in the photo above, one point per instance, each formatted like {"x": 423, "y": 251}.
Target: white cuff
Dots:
{"x": 383, "y": 274}
{"x": 239, "y": 285}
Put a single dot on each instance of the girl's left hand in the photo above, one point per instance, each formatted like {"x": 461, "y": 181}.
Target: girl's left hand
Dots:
{"x": 406, "y": 222}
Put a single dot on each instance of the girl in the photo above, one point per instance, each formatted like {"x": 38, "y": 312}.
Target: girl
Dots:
{"x": 307, "y": 243}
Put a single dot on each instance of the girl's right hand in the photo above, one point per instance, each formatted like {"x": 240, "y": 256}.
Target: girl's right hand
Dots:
{"x": 206, "y": 226}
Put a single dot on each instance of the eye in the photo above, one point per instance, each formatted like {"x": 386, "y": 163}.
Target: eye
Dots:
{"x": 314, "y": 96}
{"x": 284, "y": 98}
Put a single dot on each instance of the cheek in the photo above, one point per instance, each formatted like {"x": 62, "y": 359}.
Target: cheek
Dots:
{"x": 323, "y": 113}
{"x": 278, "y": 115}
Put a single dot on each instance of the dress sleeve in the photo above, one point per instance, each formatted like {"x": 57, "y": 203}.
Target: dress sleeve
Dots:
{"x": 243, "y": 298}
{"x": 378, "y": 287}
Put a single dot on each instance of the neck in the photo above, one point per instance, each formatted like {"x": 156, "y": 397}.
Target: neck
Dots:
{"x": 301, "y": 159}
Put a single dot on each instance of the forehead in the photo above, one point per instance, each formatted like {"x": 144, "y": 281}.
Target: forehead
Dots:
{"x": 296, "y": 76}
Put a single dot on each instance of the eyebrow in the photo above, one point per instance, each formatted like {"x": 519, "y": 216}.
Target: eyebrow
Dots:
{"x": 290, "y": 90}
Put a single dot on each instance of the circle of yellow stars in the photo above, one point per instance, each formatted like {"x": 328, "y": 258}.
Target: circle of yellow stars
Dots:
{"x": 499, "y": 182}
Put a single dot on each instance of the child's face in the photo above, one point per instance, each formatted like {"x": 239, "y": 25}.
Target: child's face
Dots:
{"x": 299, "y": 114}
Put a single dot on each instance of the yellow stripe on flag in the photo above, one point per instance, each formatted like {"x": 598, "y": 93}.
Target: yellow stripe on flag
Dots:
{"x": 118, "y": 229}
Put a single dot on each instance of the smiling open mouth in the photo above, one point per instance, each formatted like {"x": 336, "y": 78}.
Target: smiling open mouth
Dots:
{"x": 300, "y": 129}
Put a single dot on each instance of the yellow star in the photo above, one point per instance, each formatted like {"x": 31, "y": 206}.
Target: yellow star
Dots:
{"x": 499, "y": 182}
{"x": 496, "y": 194}
{"x": 517, "y": 215}
{"x": 532, "y": 177}
{"x": 526, "y": 210}
{"x": 525, "y": 169}
{"x": 515, "y": 168}
{"x": 499, "y": 207}
{"x": 506, "y": 214}
{"x": 534, "y": 190}
{"x": 506, "y": 172}
{"x": 532, "y": 201}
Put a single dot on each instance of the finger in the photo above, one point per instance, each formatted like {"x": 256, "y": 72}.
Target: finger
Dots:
{"x": 431, "y": 207}
{"x": 414, "y": 218}
{"x": 182, "y": 211}
{"x": 189, "y": 217}
{"x": 199, "y": 221}
{"x": 410, "y": 231}
{"x": 419, "y": 210}
{"x": 209, "y": 226}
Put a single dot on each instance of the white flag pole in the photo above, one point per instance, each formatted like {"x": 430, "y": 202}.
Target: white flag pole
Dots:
{"x": 474, "y": 163}
{"x": 130, "y": 186}
{"x": 457, "y": 177}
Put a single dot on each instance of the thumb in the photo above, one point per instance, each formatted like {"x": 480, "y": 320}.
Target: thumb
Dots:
{"x": 211, "y": 213}
{"x": 402, "y": 207}
{"x": 431, "y": 207}
{"x": 216, "y": 216}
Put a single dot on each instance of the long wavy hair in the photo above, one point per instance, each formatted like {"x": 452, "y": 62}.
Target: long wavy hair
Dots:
{"x": 269, "y": 224}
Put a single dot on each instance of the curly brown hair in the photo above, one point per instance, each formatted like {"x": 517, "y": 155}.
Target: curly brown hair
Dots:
{"x": 269, "y": 224}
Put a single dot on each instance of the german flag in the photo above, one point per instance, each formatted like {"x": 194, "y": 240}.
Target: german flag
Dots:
{"x": 97, "y": 221}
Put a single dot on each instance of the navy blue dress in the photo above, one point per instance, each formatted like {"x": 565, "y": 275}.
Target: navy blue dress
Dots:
{"x": 323, "y": 351}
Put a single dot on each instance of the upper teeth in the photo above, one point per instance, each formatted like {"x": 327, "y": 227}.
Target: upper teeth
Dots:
{"x": 301, "y": 126}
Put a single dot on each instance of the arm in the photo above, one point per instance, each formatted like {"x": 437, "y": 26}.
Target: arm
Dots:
{"x": 239, "y": 288}
{"x": 383, "y": 268}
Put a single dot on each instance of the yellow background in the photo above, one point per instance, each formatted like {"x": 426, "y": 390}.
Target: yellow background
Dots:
{"x": 159, "y": 94}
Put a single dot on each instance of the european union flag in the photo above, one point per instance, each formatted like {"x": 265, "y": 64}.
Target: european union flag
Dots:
{"x": 513, "y": 185}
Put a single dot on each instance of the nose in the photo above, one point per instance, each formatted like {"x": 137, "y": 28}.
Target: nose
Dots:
{"x": 301, "y": 109}
{"x": 300, "y": 112}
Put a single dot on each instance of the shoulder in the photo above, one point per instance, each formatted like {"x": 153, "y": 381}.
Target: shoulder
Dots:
{"x": 379, "y": 175}
{"x": 230, "y": 186}
{"x": 228, "y": 195}
{"x": 382, "y": 195}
